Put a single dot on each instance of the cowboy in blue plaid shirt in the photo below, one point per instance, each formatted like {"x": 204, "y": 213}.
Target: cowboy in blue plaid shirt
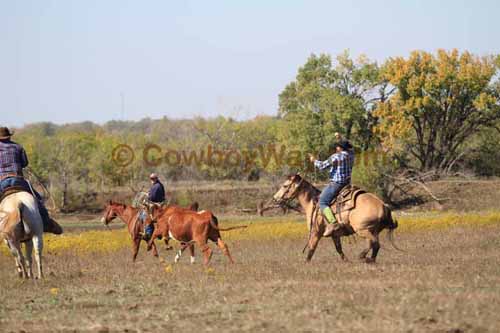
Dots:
{"x": 13, "y": 160}
{"x": 340, "y": 165}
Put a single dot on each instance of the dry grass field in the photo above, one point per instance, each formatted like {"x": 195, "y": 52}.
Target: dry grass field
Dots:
{"x": 447, "y": 280}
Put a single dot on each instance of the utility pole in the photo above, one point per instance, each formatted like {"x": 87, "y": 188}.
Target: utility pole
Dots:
{"x": 122, "y": 96}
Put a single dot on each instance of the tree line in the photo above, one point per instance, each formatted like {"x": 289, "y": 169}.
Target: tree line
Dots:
{"x": 425, "y": 112}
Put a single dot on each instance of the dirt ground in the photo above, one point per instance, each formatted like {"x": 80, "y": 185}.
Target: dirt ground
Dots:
{"x": 448, "y": 280}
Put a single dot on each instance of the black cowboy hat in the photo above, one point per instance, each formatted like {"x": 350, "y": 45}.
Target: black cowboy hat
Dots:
{"x": 5, "y": 133}
{"x": 344, "y": 144}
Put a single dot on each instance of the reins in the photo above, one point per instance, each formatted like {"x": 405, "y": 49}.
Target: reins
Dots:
{"x": 287, "y": 201}
{"x": 31, "y": 173}
{"x": 314, "y": 213}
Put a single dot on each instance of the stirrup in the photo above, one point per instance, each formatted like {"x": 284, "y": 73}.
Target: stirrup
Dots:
{"x": 331, "y": 228}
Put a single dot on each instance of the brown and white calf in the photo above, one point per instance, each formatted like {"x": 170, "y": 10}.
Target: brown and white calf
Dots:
{"x": 190, "y": 227}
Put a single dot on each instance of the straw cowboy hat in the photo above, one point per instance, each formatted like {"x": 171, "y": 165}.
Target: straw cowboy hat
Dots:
{"x": 5, "y": 133}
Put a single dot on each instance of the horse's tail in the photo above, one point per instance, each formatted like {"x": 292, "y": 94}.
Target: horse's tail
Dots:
{"x": 391, "y": 224}
{"x": 214, "y": 223}
{"x": 9, "y": 221}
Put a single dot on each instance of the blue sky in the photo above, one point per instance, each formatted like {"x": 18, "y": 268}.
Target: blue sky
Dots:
{"x": 67, "y": 61}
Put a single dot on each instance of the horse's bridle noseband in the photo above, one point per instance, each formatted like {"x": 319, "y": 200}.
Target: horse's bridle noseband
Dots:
{"x": 293, "y": 195}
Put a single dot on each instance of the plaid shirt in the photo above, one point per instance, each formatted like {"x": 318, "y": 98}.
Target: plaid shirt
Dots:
{"x": 340, "y": 166}
{"x": 12, "y": 158}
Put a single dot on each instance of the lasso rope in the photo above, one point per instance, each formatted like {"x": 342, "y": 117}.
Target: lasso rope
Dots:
{"x": 32, "y": 174}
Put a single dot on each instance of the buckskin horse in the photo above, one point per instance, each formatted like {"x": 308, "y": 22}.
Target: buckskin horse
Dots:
{"x": 367, "y": 217}
{"x": 20, "y": 222}
{"x": 190, "y": 227}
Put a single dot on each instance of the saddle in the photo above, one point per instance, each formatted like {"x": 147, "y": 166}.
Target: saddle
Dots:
{"x": 346, "y": 199}
{"x": 12, "y": 190}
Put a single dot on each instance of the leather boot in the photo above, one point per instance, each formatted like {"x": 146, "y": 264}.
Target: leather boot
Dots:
{"x": 332, "y": 224}
{"x": 49, "y": 224}
{"x": 54, "y": 227}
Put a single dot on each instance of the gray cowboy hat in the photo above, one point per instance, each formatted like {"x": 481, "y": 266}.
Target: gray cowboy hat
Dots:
{"x": 5, "y": 133}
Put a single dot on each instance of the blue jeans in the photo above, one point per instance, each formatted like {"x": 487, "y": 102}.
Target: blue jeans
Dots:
{"x": 149, "y": 228}
{"x": 14, "y": 181}
{"x": 328, "y": 194}
{"x": 21, "y": 182}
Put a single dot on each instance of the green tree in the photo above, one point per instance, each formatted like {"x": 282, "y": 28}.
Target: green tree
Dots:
{"x": 441, "y": 100}
{"x": 329, "y": 97}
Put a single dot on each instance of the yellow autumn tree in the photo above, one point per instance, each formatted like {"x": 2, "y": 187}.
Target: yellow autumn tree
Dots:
{"x": 440, "y": 101}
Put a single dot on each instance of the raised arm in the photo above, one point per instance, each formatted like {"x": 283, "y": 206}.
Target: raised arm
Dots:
{"x": 322, "y": 165}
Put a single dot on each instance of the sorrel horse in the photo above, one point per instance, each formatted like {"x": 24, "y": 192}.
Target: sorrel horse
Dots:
{"x": 130, "y": 216}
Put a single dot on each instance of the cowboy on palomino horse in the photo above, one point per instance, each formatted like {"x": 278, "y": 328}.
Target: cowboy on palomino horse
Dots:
{"x": 358, "y": 211}
{"x": 13, "y": 160}
{"x": 340, "y": 164}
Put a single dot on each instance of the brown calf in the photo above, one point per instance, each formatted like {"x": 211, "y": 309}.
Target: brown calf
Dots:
{"x": 190, "y": 227}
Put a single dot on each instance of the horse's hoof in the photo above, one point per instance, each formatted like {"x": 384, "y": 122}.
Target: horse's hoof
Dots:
{"x": 369, "y": 260}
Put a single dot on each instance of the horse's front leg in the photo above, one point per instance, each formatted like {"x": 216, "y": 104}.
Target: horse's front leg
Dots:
{"x": 136, "y": 244}
{"x": 151, "y": 241}
{"x": 313, "y": 244}
{"x": 338, "y": 247}
{"x": 155, "y": 250}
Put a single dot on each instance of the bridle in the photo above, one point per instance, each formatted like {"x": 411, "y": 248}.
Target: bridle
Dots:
{"x": 292, "y": 196}
{"x": 110, "y": 216}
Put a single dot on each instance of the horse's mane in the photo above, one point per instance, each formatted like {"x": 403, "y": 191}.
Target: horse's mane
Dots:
{"x": 311, "y": 191}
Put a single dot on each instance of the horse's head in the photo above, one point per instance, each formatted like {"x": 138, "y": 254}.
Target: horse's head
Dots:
{"x": 289, "y": 189}
{"x": 111, "y": 211}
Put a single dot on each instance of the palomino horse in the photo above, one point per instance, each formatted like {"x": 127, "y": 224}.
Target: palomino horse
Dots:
{"x": 368, "y": 218}
{"x": 20, "y": 221}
